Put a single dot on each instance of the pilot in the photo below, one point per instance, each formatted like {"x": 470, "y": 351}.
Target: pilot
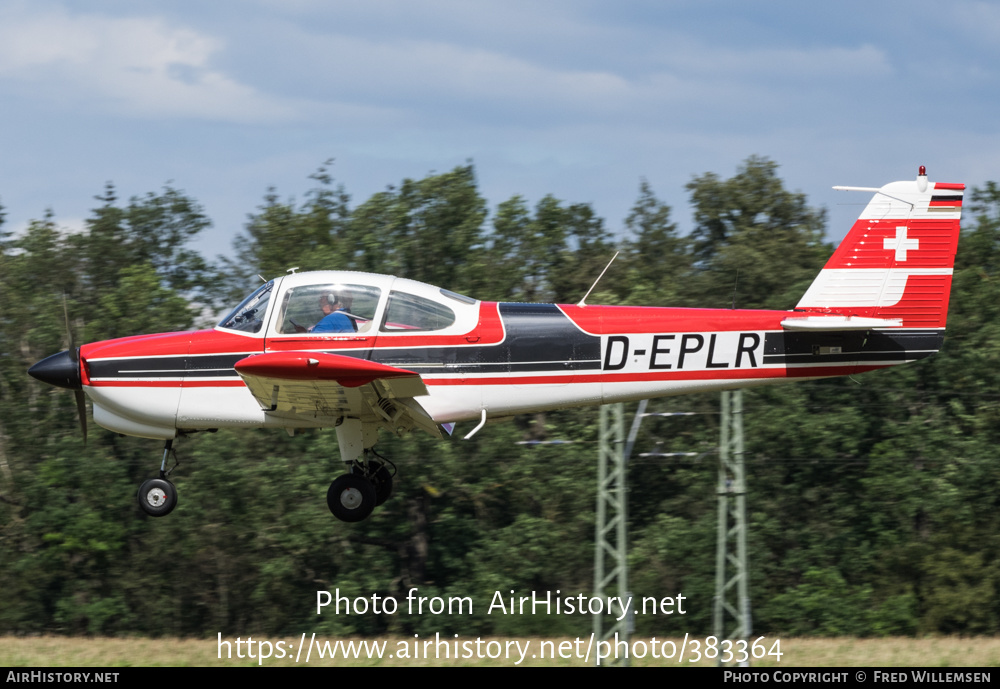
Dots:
{"x": 336, "y": 318}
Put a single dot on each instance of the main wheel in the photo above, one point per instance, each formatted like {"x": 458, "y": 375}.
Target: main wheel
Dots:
{"x": 382, "y": 480}
{"x": 351, "y": 498}
{"x": 157, "y": 497}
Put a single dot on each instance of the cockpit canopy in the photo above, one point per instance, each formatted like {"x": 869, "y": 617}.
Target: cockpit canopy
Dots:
{"x": 332, "y": 302}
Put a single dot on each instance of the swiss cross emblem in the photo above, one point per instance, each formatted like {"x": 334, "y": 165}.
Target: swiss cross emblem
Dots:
{"x": 901, "y": 243}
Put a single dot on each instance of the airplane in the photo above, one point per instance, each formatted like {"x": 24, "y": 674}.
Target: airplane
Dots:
{"x": 362, "y": 353}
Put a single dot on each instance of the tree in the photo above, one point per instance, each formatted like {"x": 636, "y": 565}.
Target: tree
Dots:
{"x": 877, "y": 494}
{"x": 67, "y": 534}
{"x": 152, "y": 230}
{"x": 428, "y": 230}
{"x": 657, "y": 260}
{"x": 750, "y": 225}
{"x": 281, "y": 236}
{"x": 552, "y": 256}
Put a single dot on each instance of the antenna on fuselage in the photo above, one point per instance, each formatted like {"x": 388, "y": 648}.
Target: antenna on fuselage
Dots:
{"x": 582, "y": 302}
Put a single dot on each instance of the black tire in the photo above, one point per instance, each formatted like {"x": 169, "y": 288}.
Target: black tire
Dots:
{"x": 382, "y": 480}
{"x": 351, "y": 498}
{"x": 157, "y": 497}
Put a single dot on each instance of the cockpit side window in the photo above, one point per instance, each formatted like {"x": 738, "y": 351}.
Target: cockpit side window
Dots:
{"x": 248, "y": 316}
{"x": 408, "y": 312}
{"x": 328, "y": 308}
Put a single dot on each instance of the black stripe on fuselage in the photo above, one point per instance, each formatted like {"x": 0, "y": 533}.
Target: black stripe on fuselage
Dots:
{"x": 199, "y": 366}
{"x": 537, "y": 337}
{"x": 853, "y": 346}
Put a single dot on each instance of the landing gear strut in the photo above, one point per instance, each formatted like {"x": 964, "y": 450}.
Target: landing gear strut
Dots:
{"x": 157, "y": 497}
{"x": 368, "y": 484}
{"x": 382, "y": 480}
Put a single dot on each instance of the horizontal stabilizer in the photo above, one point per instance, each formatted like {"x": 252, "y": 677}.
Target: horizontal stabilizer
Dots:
{"x": 828, "y": 323}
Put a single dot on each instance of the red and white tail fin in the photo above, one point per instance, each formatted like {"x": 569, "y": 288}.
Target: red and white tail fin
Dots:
{"x": 896, "y": 262}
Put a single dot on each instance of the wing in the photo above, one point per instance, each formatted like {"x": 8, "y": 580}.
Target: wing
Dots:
{"x": 314, "y": 386}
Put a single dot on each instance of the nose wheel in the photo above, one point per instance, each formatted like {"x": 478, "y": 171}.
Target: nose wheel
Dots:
{"x": 157, "y": 497}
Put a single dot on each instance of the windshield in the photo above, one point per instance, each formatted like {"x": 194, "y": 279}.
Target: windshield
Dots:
{"x": 248, "y": 316}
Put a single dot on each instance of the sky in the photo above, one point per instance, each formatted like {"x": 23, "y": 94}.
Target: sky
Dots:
{"x": 575, "y": 98}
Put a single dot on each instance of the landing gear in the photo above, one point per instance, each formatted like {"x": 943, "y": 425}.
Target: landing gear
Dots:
{"x": 353, "y": 496}
{"x": 157, "y": 497}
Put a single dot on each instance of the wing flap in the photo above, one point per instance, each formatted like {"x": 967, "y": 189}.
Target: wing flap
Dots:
{"x": 319, "y": 385}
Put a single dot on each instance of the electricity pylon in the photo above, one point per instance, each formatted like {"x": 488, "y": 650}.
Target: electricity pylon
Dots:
{"x": 732, "y": 598}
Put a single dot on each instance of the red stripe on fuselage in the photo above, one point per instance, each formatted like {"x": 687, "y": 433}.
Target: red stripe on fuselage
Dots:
{"x": 616, "y": 320}
{"x": 173, "y": 344}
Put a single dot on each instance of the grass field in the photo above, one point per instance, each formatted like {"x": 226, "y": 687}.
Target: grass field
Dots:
{"x": 51, "y": 651}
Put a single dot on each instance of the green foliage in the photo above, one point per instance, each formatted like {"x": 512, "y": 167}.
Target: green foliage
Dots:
{"x": 751, "y": 229}
{"x": 873, "y": 503}
{"x": 822, "y": 605}
{"x": 427, "y": 230}
{"x": 280, "y": 237}
{"x": 657, "y": 259}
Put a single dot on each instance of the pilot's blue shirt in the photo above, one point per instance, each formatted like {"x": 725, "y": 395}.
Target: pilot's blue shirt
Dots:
{"x": 336, "y": 322}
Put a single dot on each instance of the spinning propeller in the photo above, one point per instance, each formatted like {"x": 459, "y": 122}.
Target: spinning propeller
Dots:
{"x": 63, "y": 370}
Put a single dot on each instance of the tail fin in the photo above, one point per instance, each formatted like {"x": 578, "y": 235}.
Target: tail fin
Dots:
{"x": 896, "y": 262}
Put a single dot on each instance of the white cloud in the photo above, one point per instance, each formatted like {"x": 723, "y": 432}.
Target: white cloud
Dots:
{"x": 404, "y": 69}
{"x": 334, "y": 69}
{"x": 143, "y": 66}
{"x": 453, "y": 79}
